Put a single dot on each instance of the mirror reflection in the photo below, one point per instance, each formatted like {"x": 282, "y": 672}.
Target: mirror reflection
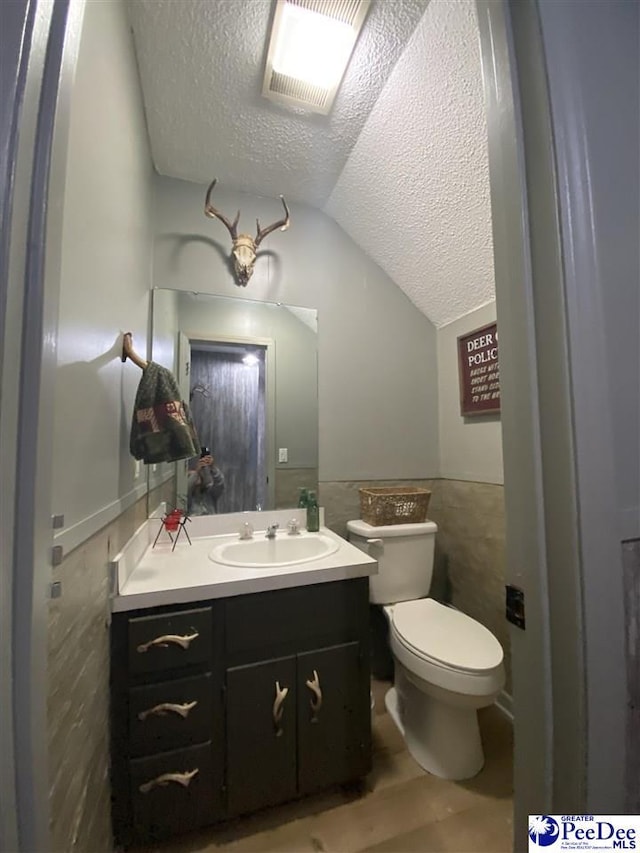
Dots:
{"x": 250, "y": 373}
{"x": 205, "y": 485}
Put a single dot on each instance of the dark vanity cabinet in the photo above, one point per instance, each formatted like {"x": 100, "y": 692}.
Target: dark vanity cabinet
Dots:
{"x": 224, "y": 707}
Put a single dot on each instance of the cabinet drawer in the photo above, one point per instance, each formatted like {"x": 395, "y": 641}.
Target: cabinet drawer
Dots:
{"x": 174, "y": 792}
{"x": 170, "y": 715}
{"x": 307, "y": 615}
{"x": 170, "y": 640}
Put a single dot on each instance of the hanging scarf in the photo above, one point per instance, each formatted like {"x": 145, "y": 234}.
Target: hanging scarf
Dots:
{"x": 162, "y": 429}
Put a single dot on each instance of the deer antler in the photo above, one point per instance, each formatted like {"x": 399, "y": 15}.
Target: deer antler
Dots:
{"x": 210, "y": 210}
{"x": 282, "y": 224}
{"x": 244, "y": 247}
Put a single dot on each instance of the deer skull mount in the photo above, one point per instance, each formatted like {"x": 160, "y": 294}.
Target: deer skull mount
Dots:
{"x": 245, "y": 247}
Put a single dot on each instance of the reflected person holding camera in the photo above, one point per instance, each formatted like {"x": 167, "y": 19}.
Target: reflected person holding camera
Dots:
{"x": 205, "y": 484}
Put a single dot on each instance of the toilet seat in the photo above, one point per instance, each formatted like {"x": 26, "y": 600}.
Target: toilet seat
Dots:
{"x": 426, "y": 671}
{"x": 444, "y": 637}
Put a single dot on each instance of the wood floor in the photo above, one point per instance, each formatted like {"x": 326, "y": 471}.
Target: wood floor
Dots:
{"x": 400, "y": 808}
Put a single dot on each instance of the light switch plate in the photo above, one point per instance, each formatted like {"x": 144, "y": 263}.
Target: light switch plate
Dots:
{"x": 283, "y": 454}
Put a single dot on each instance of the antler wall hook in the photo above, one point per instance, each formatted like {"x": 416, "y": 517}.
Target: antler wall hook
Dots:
{"x": 245, "y": 247}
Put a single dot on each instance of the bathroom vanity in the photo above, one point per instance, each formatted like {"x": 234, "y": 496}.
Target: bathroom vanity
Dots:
{"x": 230, "y": 701}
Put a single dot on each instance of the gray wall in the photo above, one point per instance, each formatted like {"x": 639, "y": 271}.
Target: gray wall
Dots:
{"x": 104, "y": 290}
{"x": 105, "y": 279}
{"x": 166, "y": 324}
{"x": 376, "y": 351}
{"x": 470, "y": 448}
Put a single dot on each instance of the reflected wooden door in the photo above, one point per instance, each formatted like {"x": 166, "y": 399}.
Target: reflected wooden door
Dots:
{"x": 228, "y": 405}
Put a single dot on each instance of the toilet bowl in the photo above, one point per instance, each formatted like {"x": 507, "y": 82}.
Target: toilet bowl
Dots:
{"x": 447, "y": 665}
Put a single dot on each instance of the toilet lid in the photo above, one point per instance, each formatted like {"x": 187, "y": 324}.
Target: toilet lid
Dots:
{"x": 446, "y": 636}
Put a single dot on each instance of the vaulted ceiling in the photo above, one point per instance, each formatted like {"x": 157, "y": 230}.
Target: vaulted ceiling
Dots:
{"x": 400, "y": 162}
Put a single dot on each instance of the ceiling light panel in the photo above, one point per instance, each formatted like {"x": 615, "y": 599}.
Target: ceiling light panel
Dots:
{"x": 310, "y": 47}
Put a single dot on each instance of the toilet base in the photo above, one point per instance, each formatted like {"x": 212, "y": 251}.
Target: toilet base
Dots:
{"x": 442, "y": 738}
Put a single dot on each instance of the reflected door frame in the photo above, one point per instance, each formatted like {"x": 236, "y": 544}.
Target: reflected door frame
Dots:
{"x": 183, "y": 375}
{"x": 269, "y": 346}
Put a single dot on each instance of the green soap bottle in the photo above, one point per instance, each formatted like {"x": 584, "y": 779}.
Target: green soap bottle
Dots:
{"x": 303, "y": 499}
{"x": 313, "y": 513}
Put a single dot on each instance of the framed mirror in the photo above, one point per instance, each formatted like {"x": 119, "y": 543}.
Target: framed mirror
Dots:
{"x": 249, "y": 371}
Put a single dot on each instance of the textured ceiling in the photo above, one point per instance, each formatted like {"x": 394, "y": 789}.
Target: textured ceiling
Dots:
{"x": 415, "y": 190}
{"x": 400, "y": 162}
{"x": 201, "y": 66}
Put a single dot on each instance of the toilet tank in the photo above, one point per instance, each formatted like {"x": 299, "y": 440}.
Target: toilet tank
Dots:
{"x": 405, "y": 558}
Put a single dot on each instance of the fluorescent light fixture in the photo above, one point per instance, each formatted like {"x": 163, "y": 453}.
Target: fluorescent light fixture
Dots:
{"x": 312, "y": 47}
{"x": 311, "y": 44}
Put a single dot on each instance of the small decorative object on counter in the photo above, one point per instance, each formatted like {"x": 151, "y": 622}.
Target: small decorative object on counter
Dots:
{"x": 313, "y": 513}
{"x": 303, "y": 498}
{"x": 173, "y": 522}
{"x": 246, "y": 531}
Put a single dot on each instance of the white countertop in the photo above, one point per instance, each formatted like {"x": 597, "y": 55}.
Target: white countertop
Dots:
{"x": 161, "y": 576}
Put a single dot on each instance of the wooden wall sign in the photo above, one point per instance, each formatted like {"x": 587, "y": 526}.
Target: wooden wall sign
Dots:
{"x": 479, "y": 372}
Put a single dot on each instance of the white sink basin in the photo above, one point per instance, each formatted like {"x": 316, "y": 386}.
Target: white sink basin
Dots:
{"x": 284, "y": 550}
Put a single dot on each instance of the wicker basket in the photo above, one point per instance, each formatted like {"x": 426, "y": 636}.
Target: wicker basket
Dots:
{"x": 394, "y": 505}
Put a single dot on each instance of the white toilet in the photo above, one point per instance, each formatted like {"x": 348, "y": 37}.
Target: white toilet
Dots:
{"x": 447, "y": 665}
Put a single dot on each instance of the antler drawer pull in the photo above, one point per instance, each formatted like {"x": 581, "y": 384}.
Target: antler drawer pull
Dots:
{"x": 183, "y": 779}
{"x": 164, "y": 708}
{"x": 278, "y": 707}
{"x": 316, "y": 701}
{"x": 164, "y": 641}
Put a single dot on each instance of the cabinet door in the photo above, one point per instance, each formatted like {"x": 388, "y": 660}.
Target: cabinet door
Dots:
{"x": 261, "y": 734}
{"x": 334, "y": 719}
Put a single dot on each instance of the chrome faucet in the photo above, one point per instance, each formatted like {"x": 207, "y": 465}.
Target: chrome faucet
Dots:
{"x": 271, "y": 530}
